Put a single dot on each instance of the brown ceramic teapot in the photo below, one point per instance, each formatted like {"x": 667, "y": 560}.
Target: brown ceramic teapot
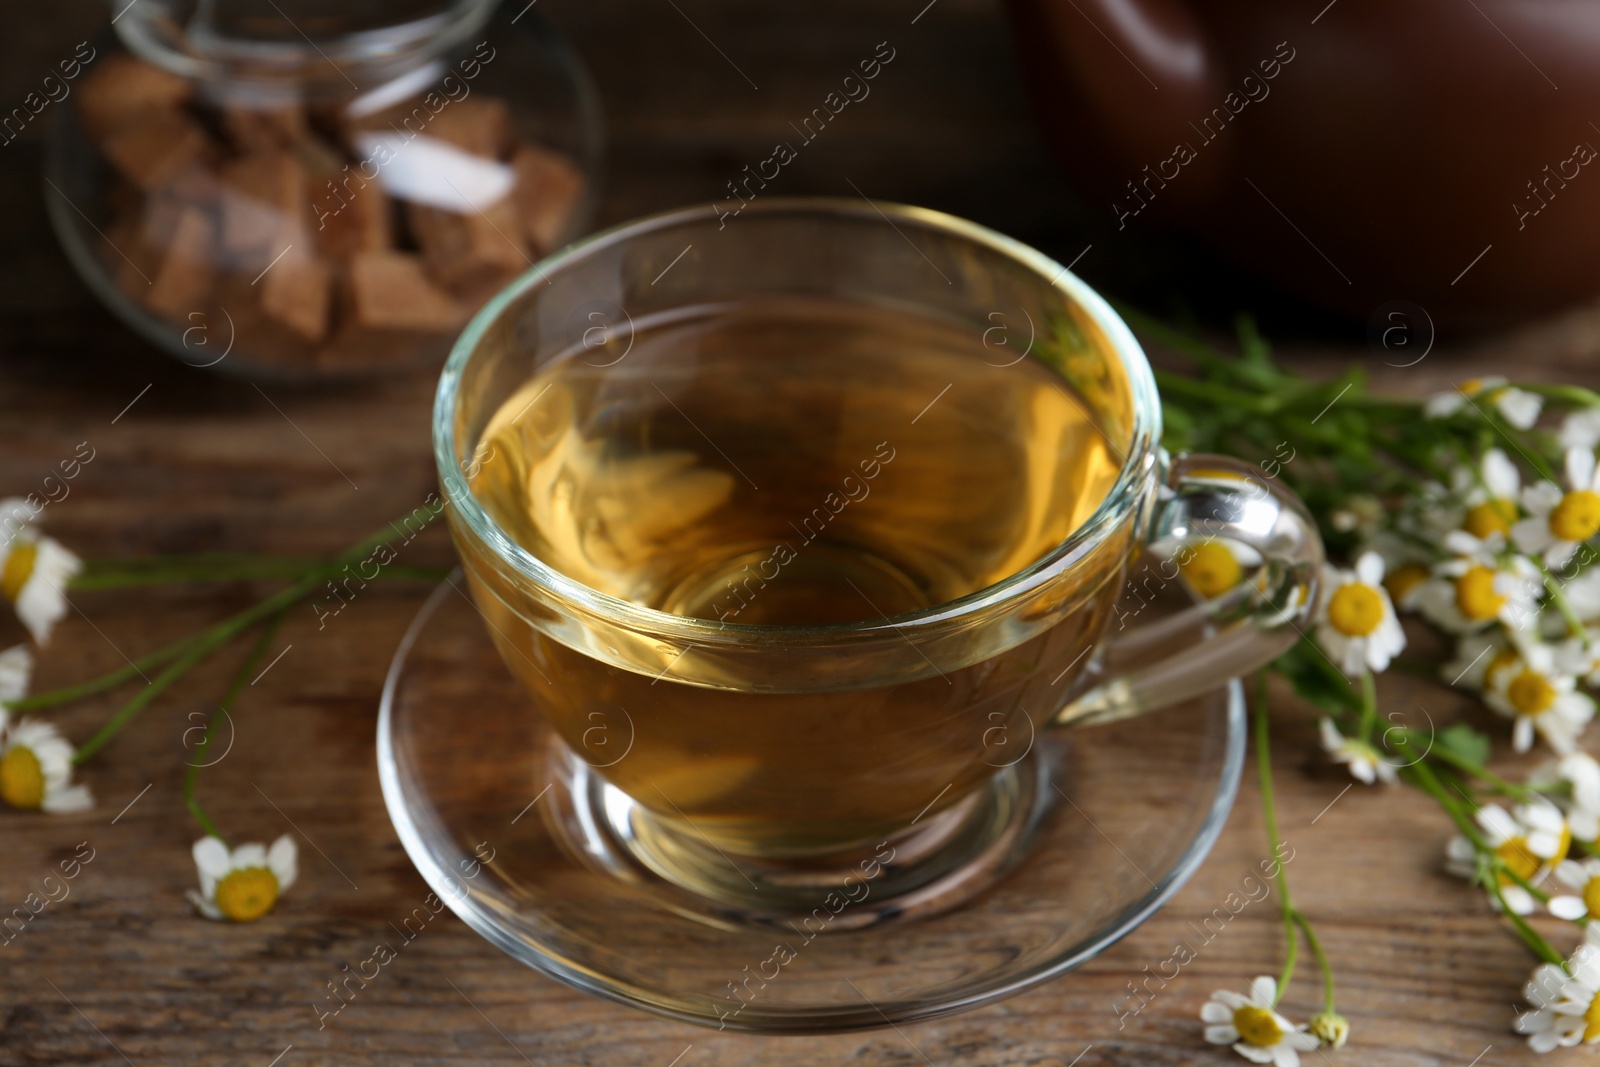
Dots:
{"x": 1356, "y": 151}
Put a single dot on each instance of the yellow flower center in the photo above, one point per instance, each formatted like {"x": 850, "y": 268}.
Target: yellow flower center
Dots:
{"x": 21, "y": 779}
{"x": 1476, "y": 596}
{"x": 1402, "y": 580}
{"x": 247, "y": 894}
{"x": 18, "y": 569}
{"x": 1472, "y": 386}
{"x": 1211, "y": 569}
{"x": 1355, "y": 610}
{"x": 1531, "y": 693}
{"x": 1591, "y": 1018}
{"x": 1591, "y": 896}
{"x": 1518, "y": 860}
{"x": 1257, "y": 1026}
{"x": 1577, "y": 517}
{"x": 1490, "y": 517}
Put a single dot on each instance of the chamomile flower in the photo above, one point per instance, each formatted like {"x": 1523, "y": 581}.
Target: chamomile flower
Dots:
{"x": 1358, "y": 627}
{"x": 1405, "y": 565}
{"x": 1479, "y": 657}
{"x": 1479, "y": 588}
{"x": 1540, "y": 698}
{"x": 1213, "y": 567}
{"x": 36, "y": 770}
{"x": 34, "y": 572}
{"x": 1575, "y": 657}
{"x": 1558, "y": 522}
{"x": 1490, "y": 495}
{"x": 1331, "y": 1028}
{"x": 1253, "y": 1026}
{"x": 1529, "y": 843}
{"x": 1582, "y": 593}
{"x": 1584, "y": 876}
{"x": 1518, "y": 407}
{"x": 16, "y": 665}
{"x": 1581, "y": 429}
{"x": 16, "y": 514}
{"x": 1566, "y": 1001}
{"x": 242, "y": 885}
{"x": 1579, "y": 775}
{"x": 1366, "y": 764}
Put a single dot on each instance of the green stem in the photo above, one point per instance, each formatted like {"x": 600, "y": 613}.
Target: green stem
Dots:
{"x": 1369, "y": 706}
{"x": 207, "y": 643}
{"x": 1559, "y": 599}
{"x": 1322, "y": 960}
{"x": 192, "y": 777}
{"x": 136, "y": 669}
{"x": 102, "y": 576}
{"x": 1572, "y": 394}
{"x": 1491, "y": 864}
{"x": 1270, "y": 813}
{"x": 1530, "y": 937}
{"x": 1461, "y": 763}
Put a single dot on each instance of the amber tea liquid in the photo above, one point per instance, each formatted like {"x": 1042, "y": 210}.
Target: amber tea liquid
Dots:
{"x": 794, "y": 463}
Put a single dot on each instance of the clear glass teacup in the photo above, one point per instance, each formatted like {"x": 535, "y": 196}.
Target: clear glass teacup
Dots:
{"x": 805, "y": 530}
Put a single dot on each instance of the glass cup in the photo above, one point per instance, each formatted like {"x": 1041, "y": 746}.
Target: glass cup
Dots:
{"x": 728, "y": 743}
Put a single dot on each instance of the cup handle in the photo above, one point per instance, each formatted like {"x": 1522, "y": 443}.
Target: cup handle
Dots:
{"x": 1213, "y": 497}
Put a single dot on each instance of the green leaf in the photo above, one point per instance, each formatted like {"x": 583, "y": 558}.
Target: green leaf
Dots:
{"x": 1316, "y": 680}
{"x": 1465, "y": 742}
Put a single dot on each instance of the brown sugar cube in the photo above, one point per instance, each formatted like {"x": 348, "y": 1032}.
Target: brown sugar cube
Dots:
{"x": 297, "y": 293}
{"x": 121, "y": 88}
{"x": 547, "y": 192}
{"x": 392, "y": 315}
{"x": 263, "y": 129}
{"x": 478, "y": 124}
{"x": 263, "y": 207}
{"x": 391, "y": 291}
{"x": 154, "y": 148}
{"x": 353, "y": 216}
{"x": 466, "y": 251}
{"x": 182, "y": 283}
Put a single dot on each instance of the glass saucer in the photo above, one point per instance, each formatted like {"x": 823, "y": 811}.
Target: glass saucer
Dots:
{"x": 504, "y": 823}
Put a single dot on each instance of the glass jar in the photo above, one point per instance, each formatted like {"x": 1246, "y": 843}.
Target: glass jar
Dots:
{"x": 311, "y": 189}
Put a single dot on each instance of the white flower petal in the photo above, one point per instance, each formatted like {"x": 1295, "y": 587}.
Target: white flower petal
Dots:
{"x": 1519, "y": 407}
{"x": 1263, "y": 991}
{"x": 1213, "y": 1012}
{"x": 1369, "y": 569}
{"x": 1519, "y": 900}
{"x": 1569, "y": 908}
{"x": 68, "y": 801}
{"x": 1579, "y": 464}
{"x": 1498, "y": 824}
{"x": 282, "y": 860}
{"x": 1221, "y": 1035}
{"x": 1301, "y": 1040}
{"x": 211, "y": 859}
{"x": 1254, "y": 1053}
{"x": 1500, "y": 475}
{"x": 1522, "y": 734}
{"x": 16, "y": 666}
{"x": 251, "y": 855}
{"x": 206, "y": 907}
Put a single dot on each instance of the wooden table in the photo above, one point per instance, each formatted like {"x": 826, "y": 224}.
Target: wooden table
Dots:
{"x": 122, "y": 970}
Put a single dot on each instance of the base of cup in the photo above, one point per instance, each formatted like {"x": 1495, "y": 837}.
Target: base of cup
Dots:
{"x": 932, "y": 866}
